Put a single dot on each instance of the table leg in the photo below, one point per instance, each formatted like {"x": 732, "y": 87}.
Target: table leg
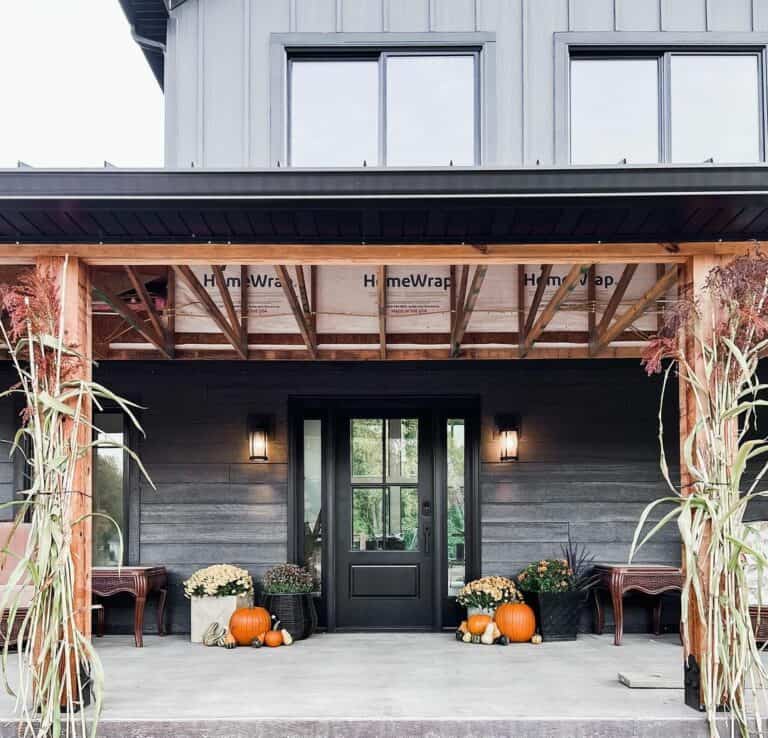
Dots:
{"x": 657, "y": 616}
{"x": 599, "y": 612}
{"x": 161, "y": 611}
{"x": 617, "y": 599}
{"x": 138, "y": 620}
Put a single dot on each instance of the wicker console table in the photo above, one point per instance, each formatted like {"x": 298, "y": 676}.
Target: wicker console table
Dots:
{"x": 618, "y": 579}
{"x": 139, "y": 581}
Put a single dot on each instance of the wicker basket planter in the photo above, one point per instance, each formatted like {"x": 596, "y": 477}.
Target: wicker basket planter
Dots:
{"x": 296, "y": 612}
{"x": 557, "y": 613}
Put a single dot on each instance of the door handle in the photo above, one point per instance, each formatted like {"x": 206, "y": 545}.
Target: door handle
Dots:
{"x": 427, "y": 539}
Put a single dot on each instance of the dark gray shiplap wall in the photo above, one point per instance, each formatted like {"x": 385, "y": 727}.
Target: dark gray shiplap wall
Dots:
{"x": 589, "y": 458}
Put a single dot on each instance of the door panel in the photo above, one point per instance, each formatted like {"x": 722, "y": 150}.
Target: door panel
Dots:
{"x": 384, "y": 511}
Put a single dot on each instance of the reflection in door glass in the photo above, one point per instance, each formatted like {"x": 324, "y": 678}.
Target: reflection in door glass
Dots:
{"x": 402, "y": 450}
{"x": 367, "y": 441}
{"x": 456, "y": 529}
{"x": 385, "y": 518}
{"x": 313, "y": 486}
{"x": 109, "y": 491}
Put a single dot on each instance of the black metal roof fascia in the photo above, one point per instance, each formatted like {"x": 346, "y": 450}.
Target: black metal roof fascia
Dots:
{"x": 545, "y": 183}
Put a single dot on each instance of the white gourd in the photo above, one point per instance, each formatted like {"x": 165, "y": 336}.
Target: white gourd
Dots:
{"x": 487, "y": 637}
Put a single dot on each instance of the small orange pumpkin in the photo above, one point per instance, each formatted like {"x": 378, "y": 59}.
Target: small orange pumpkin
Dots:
{"x": 273, "y": 638}
{"x": 476, "y": 624}
{"x": 248, "y": 623}
{"x": 516, "y": 621}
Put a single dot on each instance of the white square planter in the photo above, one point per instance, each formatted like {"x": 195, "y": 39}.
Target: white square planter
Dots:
{"x": 207, "y": 610}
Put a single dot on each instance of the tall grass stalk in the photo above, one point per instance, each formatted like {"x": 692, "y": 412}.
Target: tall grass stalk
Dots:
{"x": 56, "y": 664}
{"x": 727, "y": 324}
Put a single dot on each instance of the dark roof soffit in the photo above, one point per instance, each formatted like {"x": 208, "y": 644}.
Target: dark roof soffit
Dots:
{"x": 149, "y": 20}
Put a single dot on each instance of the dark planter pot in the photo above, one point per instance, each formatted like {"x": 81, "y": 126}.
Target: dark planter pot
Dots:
{"x": 296, "y": 613}
{"x": 557, "y": 613}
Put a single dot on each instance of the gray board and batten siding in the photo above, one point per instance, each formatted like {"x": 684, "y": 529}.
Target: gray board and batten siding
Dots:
{"x": 589, "y": 459}
{"x": 225, "y": 85}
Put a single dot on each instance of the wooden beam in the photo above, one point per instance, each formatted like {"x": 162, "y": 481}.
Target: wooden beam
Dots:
{"x": 452, "y": 298}
{"x": 301, "y": 319}
{"x": 162, "y": 254}
{"x": 149, "y": 307}
{"x": 541, "y": 285}
{"x": 466, "y": 313}
{"x": 211, "y": 308}
{"x": 566, "y": 287}
{"x": 229, "y": 305}
{"x": 630, "y": 316}
{"x": 592, "y": 301}
{"x": 461, "y": 298}
{"x": 615, "y": 301}
{"x": 382, "y": 295}
{"x": 170, "y": 305}
{"x": 303, "y": 298}
{"x": 74, "y": 286}
{"x": 130, "y": 317}
{"x": 244, "y": 305}
{"x": 521, "y": 304}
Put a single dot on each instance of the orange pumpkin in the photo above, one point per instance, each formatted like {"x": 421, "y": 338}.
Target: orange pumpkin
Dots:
{"x": 273, "y": 639}
{"x": 476, "y": 624}
{"x": 248, "y": 623}
{"x": 516, "y": 621}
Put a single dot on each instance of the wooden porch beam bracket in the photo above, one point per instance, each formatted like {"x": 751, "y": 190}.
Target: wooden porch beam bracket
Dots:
{"x": 461, "y": 298}
{"x": 615, "y": 301}
{"x": 211, "y": 308}
{"x": 229, "y": 305}
{"x": 302, "y": 319}
{"x": 466, "y": 312}
{"x": 626, "y": 319}
{"x": 149, "y": 307}
{"x": 119, "y": 306}
{"x": 382, "y": 294}
{"x": 303, "y": 297}
{"x": 566, "y": 287}
{"x": 546, "y": 271}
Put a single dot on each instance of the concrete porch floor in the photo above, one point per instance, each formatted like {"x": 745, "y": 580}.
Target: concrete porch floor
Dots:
{"x": 389, "y": 685}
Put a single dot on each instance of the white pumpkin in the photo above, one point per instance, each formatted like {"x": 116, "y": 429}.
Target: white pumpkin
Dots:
{"x": 488, "y": 636}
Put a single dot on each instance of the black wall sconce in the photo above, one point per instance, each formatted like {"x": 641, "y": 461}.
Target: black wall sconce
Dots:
{"x": 258, "y": 437}
{"x": 509, "y": 435}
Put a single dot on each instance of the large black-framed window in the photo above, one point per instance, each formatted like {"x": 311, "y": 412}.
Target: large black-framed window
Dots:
{"x": 403, "y": 107}
{"x": 648, "y": 106}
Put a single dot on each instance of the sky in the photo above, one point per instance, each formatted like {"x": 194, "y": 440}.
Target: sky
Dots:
{"x": 76, "y": 89}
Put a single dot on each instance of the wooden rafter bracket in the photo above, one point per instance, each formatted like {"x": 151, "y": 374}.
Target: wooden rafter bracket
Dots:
{"x": 381, "y": 288}
{"x": 626, "y": 319}
{"x": 229, "y": 305}
{"x": 129, "y": 316}
{"x": 467, "y": 309}
{"x": 302, "y": 318}
{"x": 541, "y": 285}
{"x": 567, "y": 285}
{"x": 211, "y": 308}
{"x": 615, "y": 300}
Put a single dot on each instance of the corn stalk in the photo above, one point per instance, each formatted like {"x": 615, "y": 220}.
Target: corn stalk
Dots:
{"x": 56, "y": 664}
{"x": 727, "y": 324}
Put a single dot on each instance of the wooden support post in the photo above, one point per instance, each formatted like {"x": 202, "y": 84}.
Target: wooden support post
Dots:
{"x": 75, "y": 288}
{"x": 694, "y": 275}
{"x": 382, "y": 294}
{"x": 592, "y": 302}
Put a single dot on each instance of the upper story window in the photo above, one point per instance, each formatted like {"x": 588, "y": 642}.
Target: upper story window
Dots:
{"x": 669, "y": 107}
{"x": 391, "y": 109}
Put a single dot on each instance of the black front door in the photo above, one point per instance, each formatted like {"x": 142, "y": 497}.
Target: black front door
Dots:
{"x": 384, "y": 520}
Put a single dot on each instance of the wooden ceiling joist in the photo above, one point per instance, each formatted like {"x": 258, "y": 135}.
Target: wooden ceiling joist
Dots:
{"x": 567, "y": 285}
{"x": 381, "y": 285}
{"x": 129, "y": 316}
{"x": 615, "y": 301}
{"x": 146, "y": 301}
{"x": 211, "y": 308}
{"x": 303, "y": 319}
{"x": 541, "y": 285}
{"x": 626, "y": 319}
{"x": 467, "y": 308}
{"x": 229, "y": 305}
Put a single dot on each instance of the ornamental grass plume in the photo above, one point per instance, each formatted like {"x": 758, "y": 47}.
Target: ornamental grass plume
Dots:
{"x": 57, "y": 664}
{"x": 725, "y": 326}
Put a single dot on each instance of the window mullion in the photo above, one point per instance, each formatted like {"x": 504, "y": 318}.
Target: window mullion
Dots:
{"x": 383, "y": 109}
{"x": 665, "y": 107}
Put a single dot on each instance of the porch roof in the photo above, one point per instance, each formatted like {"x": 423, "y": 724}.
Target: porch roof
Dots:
{"x": 437, "y": 205}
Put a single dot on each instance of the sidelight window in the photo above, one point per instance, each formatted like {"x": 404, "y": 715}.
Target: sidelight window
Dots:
{"x": 109, "y": 499}
{"x": 388, "y": 108}
{"x": 671, "y": 106}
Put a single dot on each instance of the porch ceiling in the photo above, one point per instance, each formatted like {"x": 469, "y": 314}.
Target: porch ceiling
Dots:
{"x": 377, "y": 206}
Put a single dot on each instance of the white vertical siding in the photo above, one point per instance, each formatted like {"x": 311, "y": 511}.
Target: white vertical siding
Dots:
{"x": 220, "y": 76}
